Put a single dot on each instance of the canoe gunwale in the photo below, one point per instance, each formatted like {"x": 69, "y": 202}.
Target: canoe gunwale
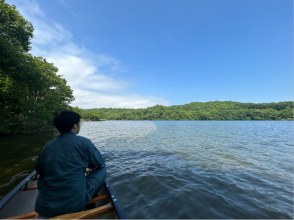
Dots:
{"x": 12, "y": 193}
{"x": 119, "y": 212}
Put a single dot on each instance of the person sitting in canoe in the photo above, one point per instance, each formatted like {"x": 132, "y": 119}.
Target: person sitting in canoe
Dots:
{"x": 63, "y": 185}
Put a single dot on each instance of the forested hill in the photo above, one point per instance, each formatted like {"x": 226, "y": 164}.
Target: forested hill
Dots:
{"x": 217, "y": 110}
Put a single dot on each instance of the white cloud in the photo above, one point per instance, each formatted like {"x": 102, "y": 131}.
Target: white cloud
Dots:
{"x": 89, "y": 75}
{"x": 82, "y": 74}
{"x": 104, "y": 100}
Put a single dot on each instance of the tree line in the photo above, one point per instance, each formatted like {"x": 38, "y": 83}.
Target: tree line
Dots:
{"x": 30, "y": 89}
{"x": 216, "y": 110}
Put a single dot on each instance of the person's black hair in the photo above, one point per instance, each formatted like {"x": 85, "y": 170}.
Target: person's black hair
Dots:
{"x": 64, "y": 120}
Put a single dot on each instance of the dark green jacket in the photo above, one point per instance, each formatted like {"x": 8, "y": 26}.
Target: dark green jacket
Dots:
{"x": 62, "y": 183}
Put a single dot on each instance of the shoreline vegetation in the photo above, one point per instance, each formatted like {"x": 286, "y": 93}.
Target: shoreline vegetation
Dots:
{"x": 31, "y": 90}
{"x": 214, "y": 110}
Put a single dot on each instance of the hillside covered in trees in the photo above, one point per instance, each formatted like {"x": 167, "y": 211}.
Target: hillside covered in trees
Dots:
{"x": 216, "y": 110}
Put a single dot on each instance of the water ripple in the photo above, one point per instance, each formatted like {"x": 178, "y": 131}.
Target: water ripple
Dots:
{"x": 199, "y": 169}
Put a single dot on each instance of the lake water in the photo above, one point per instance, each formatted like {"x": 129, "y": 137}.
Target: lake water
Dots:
{"x": 199, "y": 169}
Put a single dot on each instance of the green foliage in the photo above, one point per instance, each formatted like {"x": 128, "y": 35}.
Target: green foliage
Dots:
{"x": 198, "y": 111}
{"x": 30, "y": 89}
{"x": 14, "y": 28}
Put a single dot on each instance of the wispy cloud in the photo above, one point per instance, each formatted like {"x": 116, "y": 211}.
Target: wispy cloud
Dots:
{"x": 89, "y": 75}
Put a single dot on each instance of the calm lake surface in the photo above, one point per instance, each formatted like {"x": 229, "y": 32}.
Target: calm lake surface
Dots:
{"x": 183, "y": 169}
{"x": 199, "y": 169}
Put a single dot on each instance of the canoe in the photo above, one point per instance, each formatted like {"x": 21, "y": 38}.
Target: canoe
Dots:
{"x": 19, "y": 203}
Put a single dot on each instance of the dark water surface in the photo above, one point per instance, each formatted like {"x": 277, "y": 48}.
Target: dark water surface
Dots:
{"x": 18, "y": 155}
{"x": 199, "y": 169}
{"x": 183, "y": 169}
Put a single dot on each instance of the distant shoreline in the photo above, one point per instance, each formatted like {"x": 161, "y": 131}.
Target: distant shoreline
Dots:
{"x": 215, "y": 110}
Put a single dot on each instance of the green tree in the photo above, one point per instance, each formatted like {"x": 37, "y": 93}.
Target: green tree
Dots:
{"x": 14, "y": 29}
{"x": 202, "y": 111}
{"x": 30, "y": 89}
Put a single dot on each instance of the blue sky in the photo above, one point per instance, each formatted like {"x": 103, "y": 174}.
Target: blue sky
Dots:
{"x": 139, "y": 53}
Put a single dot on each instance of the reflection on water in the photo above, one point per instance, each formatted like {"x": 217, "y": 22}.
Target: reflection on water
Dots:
{"x": 18, "y": 155}
{"x": 199, "y": 169}
{"x": 118, "y": 135}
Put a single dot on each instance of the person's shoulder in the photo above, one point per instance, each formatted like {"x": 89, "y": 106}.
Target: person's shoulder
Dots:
{"x": 85, "y": 143}
{"x": 83, "y": 139}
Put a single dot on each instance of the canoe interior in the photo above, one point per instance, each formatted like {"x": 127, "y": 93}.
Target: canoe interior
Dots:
{"x": 23, "y": 201}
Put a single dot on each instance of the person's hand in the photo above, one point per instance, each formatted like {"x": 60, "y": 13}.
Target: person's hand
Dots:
{"x": 88, "y": 170}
